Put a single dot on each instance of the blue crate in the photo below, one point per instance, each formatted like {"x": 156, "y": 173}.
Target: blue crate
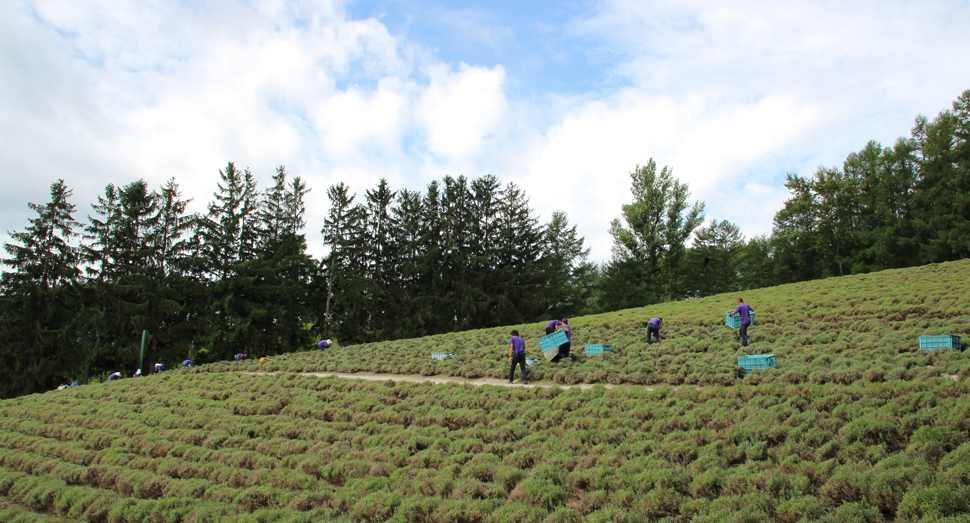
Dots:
{"x": 931, "y": 343}
{"x": 758, "y": 361}
{"x": 532, "y": 361}
{"x": 442, "y": 355}
{"x": 552, "y": 341}
{"x": 592, "y": 349}
{"x": 735, "y": 321}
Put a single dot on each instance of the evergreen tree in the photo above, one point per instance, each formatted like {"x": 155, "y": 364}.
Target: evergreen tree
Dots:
{"x": 228, "y": 237}
{"x": 283, "y": 270}
{"x": 39, "y": 298}
{"x": 715, "y": 259}
{"x": 572, "y": 274}
{"x": 345, "y": 306}
{"x": 407, "y": 229}
{"x": 943, "y": 189}
{"x": 523, "y": 273}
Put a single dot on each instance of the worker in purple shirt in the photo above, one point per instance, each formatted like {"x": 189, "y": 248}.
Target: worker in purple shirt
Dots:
{"x": 159, "y": 367}
{"x": 517, "y": 355}
{"x": 323, "y": 344}
{"x": 114, "y": 376}
{"x": 564, "y": 348}
{"x": 745, "y": 311}
{"x": 653, "y": 327}
{"x": 187, "y": 363}
{"x": 240, "y": 356}
{"x": 552, "y": 326}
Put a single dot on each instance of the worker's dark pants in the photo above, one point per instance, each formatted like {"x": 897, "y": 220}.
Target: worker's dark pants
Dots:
{"x": 564, "y": 349}
{"x": 550, "y": 330}
{"x": 653, "y": 329}
{"x": 518, "y": 357}
{"x": 744, "y": 331}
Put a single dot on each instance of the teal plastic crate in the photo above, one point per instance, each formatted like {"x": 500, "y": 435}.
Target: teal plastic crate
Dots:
{"x": 758, "y": 361}
{"x": 735, "y": 321}
{"x": 592, "y": 349}
{"x": 442, "y": 355}
{"x": 931, "y": 343}
{"x": 552, "y": 341}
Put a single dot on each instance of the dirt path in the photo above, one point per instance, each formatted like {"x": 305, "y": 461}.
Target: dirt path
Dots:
{"x": 439, "y": 379}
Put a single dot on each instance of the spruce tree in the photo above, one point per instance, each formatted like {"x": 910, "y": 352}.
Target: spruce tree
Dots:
{"x": 39, "y": 297}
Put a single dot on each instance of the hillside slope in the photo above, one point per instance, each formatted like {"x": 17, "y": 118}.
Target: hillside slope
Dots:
{"x": 834, "y": 330}
{"x": 857, "y": 424}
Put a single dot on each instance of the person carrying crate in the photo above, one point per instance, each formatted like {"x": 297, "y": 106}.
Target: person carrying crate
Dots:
{"x": 745, "y": 311}
{"x": 517, "y": 356}
{"x": 564, "y": 348}
{"x": 653, "y": 328}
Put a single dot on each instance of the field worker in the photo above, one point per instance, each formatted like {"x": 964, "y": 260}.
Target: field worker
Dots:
{"x": 564, "y": 348}
{"x": 323, "y": 344}
{"x": 74, "y": 383}
{"x": 159, "y": 367}
{"x": 517, "y": 355}
{"x": 552, "y": 326}
{"x": 137, "y": 374}
{"x": 62, "y": 387}
{"x": 653, "y": 327}
{"x": 187, "y": 363}
{"x": 240, "y": 356}
{"x": 114, "y": 376}
{"x": 745, "y": 311}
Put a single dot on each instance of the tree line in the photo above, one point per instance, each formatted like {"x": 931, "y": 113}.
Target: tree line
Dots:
{"x": 462, "y": 254}
{"x": 886, "y": 207}
{"x": 77, "y": 297}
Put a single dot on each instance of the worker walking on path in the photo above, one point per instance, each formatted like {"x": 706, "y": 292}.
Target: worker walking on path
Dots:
{"x": 745, "y": 311}
{"x": 517, "y": 356}
{"x": 653, "y": 327}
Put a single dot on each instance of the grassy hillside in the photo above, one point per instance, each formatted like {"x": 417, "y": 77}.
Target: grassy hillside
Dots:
{"x": 857, "y": 424}
{"x": 836, "y": 330}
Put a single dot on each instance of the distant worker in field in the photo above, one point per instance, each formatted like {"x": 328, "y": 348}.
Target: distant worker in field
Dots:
{"x": 324, "y": 344}
{"x": 653, "y": 327}
{"x": 552, "y": 326}
{"x": 137, "y": 374}
{"x": 745, "y": 311}
{"x": 564, "y": 348}
{"x": 159, "y": 367}
{"x": 517, "y": 356}
{"x": 187, "y": 363}
{"x": 240, "y": 356}
{"x": 114, "y": 376}
{"x": 74, "y": 383}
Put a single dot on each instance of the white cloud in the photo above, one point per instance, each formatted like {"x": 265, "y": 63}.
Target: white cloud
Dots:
{"x": 732, "y": 96}
{"x": 461, "y": 111}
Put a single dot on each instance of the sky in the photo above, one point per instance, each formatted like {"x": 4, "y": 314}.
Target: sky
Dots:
{"x": 564, "y": 99}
